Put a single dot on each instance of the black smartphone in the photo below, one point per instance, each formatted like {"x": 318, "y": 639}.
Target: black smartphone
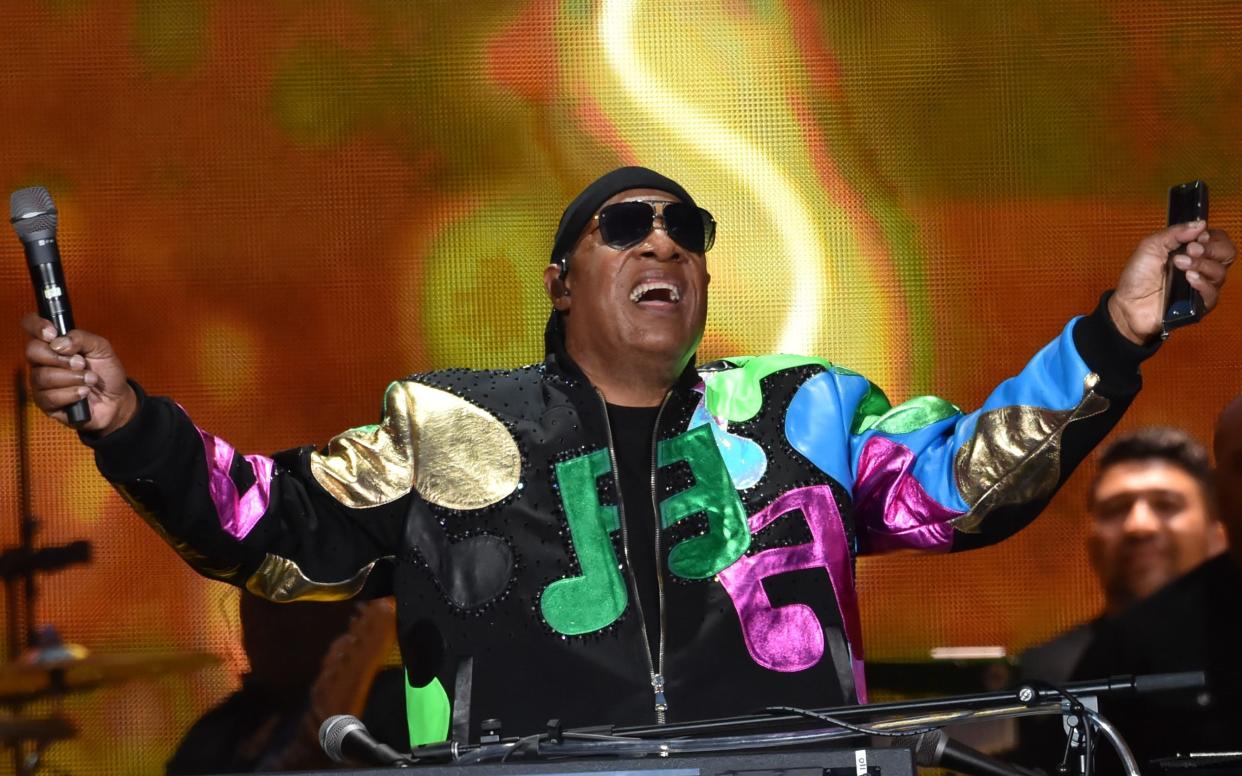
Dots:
{"x": 1182, "y": 304}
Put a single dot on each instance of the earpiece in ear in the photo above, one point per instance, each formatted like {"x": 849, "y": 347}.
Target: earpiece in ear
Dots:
{"x": 558, "y": 289}
{"x": 560, "y": 294}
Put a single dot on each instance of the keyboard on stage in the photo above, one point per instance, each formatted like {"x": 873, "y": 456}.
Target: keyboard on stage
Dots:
{"x": 823, "y": 762}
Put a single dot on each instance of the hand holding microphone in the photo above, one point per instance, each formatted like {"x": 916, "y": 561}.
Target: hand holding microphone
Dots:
{"x": 74, "y": 375}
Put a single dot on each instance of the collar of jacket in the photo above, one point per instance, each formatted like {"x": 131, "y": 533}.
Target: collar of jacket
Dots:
{"x": 557, "y": 360}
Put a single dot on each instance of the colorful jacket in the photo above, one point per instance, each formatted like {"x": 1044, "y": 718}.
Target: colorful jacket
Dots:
{"x": 485, "y": 501}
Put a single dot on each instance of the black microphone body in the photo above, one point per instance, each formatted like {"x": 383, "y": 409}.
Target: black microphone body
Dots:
{"x": 964, "y": 759}
{"x": 34, "y": 220}
{"x": 934, "y": 749}
{"x": 344, "y": 738}
{"x": 48, "y": 279}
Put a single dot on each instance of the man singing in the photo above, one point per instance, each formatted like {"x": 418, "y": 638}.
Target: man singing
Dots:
{"x": 619, "y": 534}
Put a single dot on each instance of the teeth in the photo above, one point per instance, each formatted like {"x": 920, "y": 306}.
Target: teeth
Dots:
{"x": 654, "y": 285}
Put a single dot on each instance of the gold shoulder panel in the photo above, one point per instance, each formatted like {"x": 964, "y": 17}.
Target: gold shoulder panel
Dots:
{"x": 1014, "y": 455}
{"x": 453, "y": 453}
{"x": 281, "y": 580}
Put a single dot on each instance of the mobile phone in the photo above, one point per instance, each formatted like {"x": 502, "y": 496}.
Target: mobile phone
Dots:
{"x": 1183, "y": 304}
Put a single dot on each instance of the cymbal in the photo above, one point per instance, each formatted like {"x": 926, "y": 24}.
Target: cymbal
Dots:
{"x": 15, "y": 729}
{"x": 71, "y": 668}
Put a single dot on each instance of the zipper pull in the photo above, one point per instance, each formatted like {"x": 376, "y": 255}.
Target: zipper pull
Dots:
{"x": 657, "y": 687}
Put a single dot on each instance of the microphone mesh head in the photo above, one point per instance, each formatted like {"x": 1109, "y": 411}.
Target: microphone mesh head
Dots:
{"x": 32, "y": 210}
{"x": 333, "y": 731}
{"x": 930, "y": 748}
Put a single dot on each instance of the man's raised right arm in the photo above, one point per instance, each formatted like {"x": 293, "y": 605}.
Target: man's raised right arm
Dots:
{"x": 263, "y": 523}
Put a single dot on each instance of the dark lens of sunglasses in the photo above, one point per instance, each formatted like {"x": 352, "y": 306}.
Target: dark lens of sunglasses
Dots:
{"x": 625, "y": 223}
{"x": 692, "y": 227}
{"x": 709, "y": 229}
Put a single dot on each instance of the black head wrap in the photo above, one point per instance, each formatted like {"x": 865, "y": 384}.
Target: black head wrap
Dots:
{"x": 580, "y": 211}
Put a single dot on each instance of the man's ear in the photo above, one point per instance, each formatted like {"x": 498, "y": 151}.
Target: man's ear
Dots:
{"x": 557, "y": 288}
{"x": 1217, "y": 539}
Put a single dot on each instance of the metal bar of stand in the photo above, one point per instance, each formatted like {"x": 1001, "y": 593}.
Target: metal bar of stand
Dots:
{"x": 12, "y": 640}
{"x": 28, "y": 525}
{"x": 12, "y": 602}
{"x": 1116, "y": 684}
{"x": 1119, "y": 744}
{"x": 12, "y": 618}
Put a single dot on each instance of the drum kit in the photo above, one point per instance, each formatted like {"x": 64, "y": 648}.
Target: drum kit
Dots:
{"x": 39, "y": 665}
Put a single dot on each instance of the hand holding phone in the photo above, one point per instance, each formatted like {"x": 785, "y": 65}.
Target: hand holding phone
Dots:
{"x": 1182, "y": 303}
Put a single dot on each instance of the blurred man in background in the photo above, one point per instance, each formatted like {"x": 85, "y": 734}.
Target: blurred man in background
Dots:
{"x": 1192, "y": 624}
{"x": 1153, "y": 519}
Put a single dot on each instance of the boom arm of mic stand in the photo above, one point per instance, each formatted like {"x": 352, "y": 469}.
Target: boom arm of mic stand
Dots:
{"x": 1027, "y": 694}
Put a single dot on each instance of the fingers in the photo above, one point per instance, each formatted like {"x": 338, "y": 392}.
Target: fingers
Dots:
{"x": 1207, "y": 263}
{"x": 79, "y": 365}
{"x": 47, "y": 349}
{"x": 1209, "y": 291}
{"x": 38, "y": 348}
{"x": 49, "y": 378}
{"x": 78, "y": 341}
{"x": 39, "y": 328}
{"x": 1176, "y": 236}
{"x": 1218, "y": 247}
{"x": 39, "y": 353}
{"x": 1207, "y": 258}
{"x": 56, "y": 399}
{"x": 59, "y": 374}
{"x": 57, "y": 380}
{"x": 1196, "y": 263}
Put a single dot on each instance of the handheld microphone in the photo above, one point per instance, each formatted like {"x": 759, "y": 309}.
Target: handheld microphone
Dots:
{"x": 33, "y": 216}
{"x": 344, "y": 738}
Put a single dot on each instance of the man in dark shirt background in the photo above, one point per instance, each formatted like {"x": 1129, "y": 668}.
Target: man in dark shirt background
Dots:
{"x": 1153, "y": 518}
{"x": 1195, "y": 623}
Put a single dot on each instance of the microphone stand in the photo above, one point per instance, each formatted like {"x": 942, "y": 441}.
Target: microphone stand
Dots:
{"x": 20, "y": 564}
{"x": 19, "y": 628}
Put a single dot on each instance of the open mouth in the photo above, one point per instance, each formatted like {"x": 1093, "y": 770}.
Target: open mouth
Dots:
{"x": 655, "y": 291}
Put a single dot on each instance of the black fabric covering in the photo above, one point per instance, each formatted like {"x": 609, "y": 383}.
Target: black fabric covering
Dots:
{"x": 1193, "y": 624}
{"x": 580, "y": 211}
{"x": 1109, "y": 354}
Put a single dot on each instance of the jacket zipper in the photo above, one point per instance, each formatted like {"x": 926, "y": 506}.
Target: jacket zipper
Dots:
{"x": 657, "y": 678}
{"x": 655, "y": 666}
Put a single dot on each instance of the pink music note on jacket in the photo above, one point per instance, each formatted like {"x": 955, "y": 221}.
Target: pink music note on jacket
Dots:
{"x": 791, "y": 638}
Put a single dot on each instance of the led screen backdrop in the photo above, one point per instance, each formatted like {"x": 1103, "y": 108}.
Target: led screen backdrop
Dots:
{"x": 274, "y": 209}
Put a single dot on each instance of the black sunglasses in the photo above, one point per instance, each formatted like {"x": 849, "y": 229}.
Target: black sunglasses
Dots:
{"x": 625, "y": 224}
